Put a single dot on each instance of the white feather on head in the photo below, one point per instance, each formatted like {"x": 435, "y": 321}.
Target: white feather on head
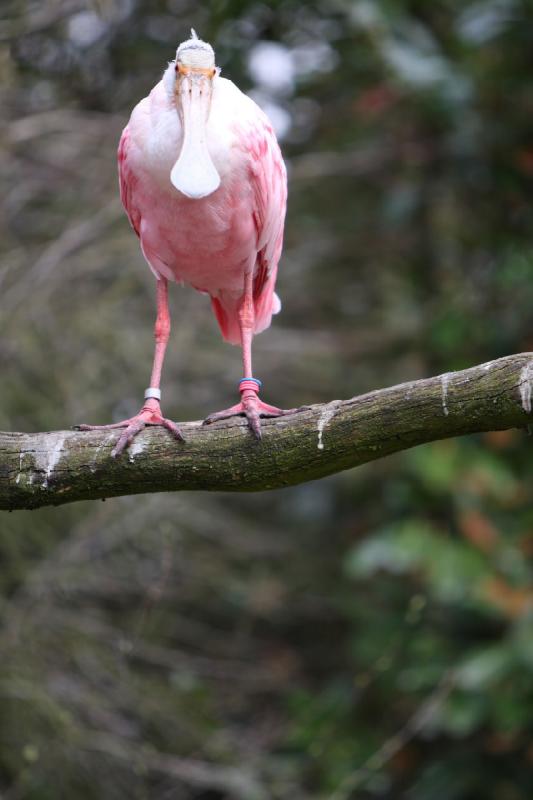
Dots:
{"x": 192, "y": 53}
{"x": 196, "y": 53}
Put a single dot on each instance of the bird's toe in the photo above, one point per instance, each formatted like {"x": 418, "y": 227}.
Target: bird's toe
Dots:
{"x": 127, "y": 437}
{"x": 174, "y": 429}
{"x": 254, "y": 423}
{"x": 235, "y": 411}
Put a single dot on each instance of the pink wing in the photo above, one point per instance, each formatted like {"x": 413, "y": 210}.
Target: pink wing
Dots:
{"x": 131, "y": 194}
{"x": 268, "y": 178}
{"x": 270, "y": 203}
{"x": 127, "y": 181}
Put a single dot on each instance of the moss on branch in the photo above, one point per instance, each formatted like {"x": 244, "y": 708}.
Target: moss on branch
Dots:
{"x": 41, "y": 469}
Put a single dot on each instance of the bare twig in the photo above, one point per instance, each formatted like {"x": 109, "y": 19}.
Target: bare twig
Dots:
{"x": 420, "y": 719}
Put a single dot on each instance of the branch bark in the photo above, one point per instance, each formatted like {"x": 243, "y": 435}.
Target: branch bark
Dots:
{"x": 41, "y": 469}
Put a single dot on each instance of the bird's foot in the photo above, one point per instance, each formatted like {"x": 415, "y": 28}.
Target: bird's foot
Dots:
{"x": 250, "y": 407}
{"x": 150, "y": 414}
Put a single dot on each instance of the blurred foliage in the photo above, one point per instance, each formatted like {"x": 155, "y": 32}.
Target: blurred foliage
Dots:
{"x": 367, "y": 636}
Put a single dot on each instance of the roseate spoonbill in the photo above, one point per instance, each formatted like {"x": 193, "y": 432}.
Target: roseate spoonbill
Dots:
{"x": 204, "y": 185}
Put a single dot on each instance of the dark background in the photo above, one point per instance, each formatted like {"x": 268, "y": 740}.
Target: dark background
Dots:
{"x": 365, "y": 636}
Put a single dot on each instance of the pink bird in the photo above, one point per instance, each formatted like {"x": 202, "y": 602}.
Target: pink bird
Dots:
{"x": 204, "y": 185}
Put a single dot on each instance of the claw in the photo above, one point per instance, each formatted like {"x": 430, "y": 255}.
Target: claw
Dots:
{"x": 250, "y": 407}
{"x": 128, "y": 436}
{"x": 234, "y": 411}
{"x": 150, "y": 414}
{"x": 254, "y": 423}
{"x": 174, "y": 430}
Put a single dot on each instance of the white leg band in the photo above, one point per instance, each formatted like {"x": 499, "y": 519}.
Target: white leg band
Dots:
{"x": 152, "y": 391}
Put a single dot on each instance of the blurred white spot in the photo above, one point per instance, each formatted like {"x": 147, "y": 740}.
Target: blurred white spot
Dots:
{"x": 416, "y": 58}
{"x": 314, "y": 57}
{"x": 366, "y": 14}
{"x": 483, "y": 21}
{"x": 271, "y": 66}
{"x": 85, "y": 28}
{"x": 422, "y": 69}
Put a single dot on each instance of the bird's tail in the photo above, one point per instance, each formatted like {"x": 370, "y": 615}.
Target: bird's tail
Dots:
{"x": 226, "y": 308}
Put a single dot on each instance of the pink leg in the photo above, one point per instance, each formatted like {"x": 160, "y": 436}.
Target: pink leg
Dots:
{"x": 250, "y": 406}
{"x": 150, "y": 413}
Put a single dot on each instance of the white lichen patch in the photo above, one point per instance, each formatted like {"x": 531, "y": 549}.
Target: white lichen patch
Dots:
{"x": 46, "y": 457}
{"x": 445, "y": 380}
{"x": 54, "y": 456}
{"x": 136, "y": 447}
{"x": 328, "y": 412}
{"x": 19, "y": 475}
{"x": 526, "y": 387}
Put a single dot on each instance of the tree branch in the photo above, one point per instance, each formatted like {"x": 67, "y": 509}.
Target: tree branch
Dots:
{"x": 41, "y": 469}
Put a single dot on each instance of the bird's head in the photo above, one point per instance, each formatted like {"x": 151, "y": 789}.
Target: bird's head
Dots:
{"x": 194, "y": 173}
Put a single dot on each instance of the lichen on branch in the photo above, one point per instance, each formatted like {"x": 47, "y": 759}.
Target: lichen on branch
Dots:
{"x": 41, "y": 469}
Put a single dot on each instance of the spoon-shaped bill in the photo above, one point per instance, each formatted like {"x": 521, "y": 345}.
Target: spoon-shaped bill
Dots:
{"x": 194, "y": 173}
